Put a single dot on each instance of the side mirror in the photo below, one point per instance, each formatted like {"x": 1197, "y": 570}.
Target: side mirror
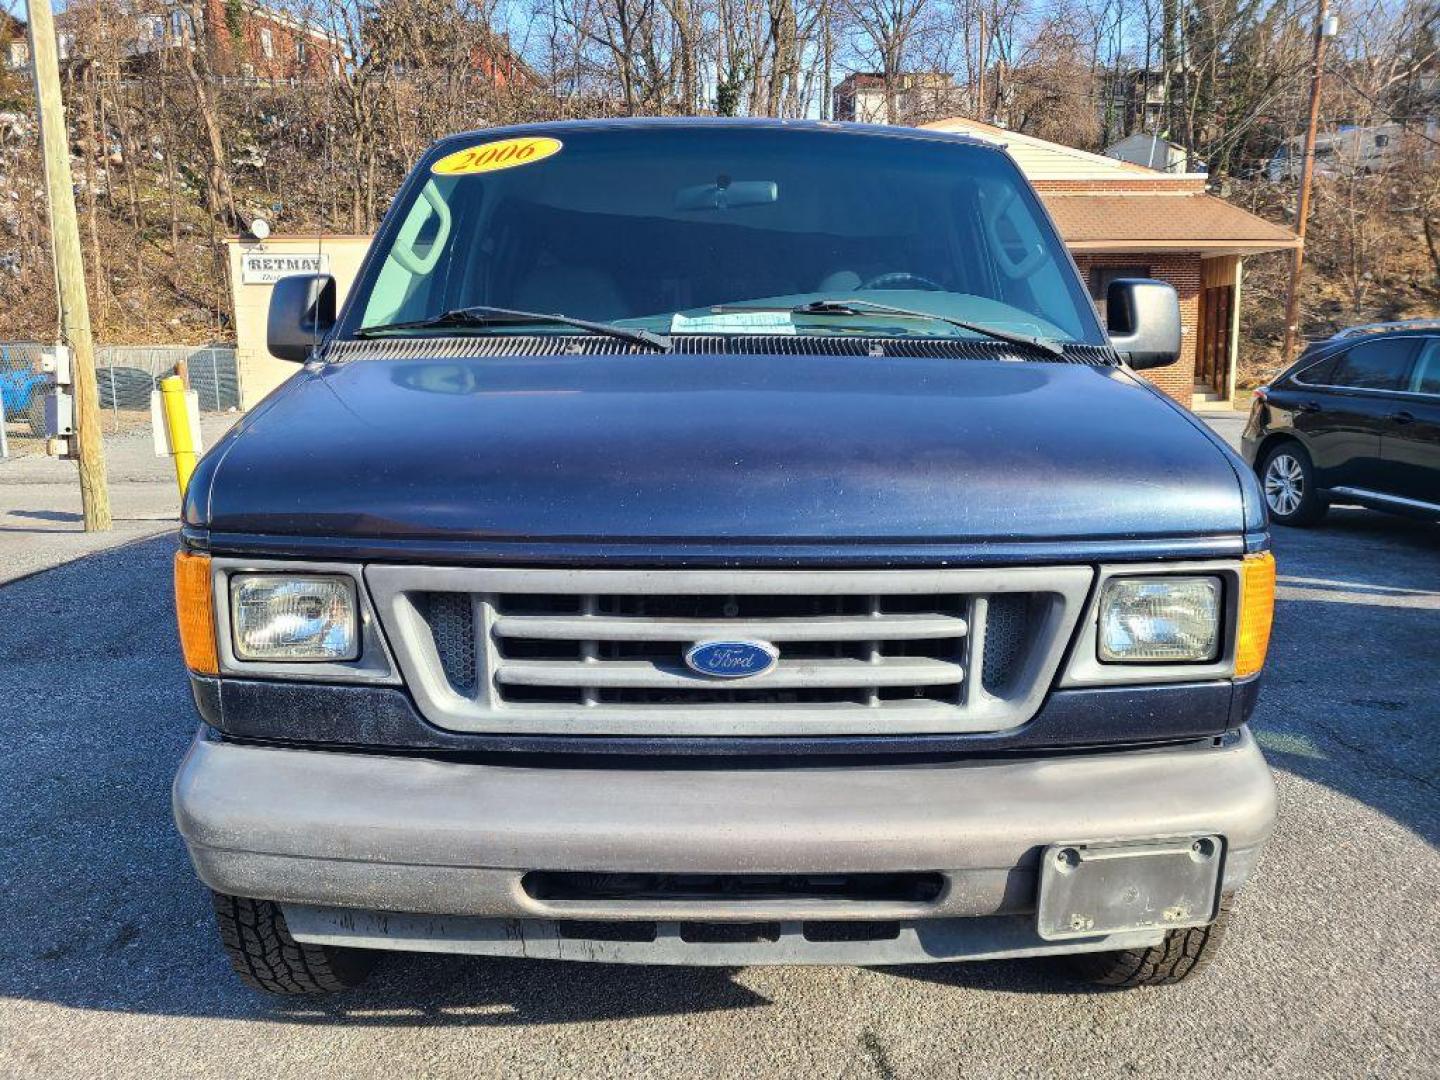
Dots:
{"x": 302, "y": 311}
{"x": 1144, "y": 321}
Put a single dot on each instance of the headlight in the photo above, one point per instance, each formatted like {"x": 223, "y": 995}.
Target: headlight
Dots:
{"x": 1160, "y": 620}
{"x": 277, "y": 617}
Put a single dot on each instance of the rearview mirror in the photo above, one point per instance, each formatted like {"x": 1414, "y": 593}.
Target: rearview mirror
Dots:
{"x": 302, "y": 311}
{"x": 727, "y": 194}
{"x": 1143, "y": 317}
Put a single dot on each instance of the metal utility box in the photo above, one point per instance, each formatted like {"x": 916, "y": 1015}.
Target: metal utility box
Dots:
{"x": 59, "y": 415}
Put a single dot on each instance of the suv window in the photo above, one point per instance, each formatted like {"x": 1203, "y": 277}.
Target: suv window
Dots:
{"x": 1374, "y": 365}
{"x": 1426, "y": 378}
{"x": 1316, "y": 374}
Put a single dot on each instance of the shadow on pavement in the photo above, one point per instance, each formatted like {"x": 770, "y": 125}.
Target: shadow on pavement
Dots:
{"x": 48, "y": 515}
{"x": 102, "y": 908}
{"x": 103, "y": 911}
{"x": 1351, "y": 697}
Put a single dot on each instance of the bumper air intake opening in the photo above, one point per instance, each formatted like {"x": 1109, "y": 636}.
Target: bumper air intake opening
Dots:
{"x": 851, "y": 931}
{"x": 908, "y": 887}
{"x": 711, "y": 933}
{"x": 605, "y": 930}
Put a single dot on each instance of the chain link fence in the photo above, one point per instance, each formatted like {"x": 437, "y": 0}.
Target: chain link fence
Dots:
{"x": 23, "y": 387}
{"x": 124, "y": 377}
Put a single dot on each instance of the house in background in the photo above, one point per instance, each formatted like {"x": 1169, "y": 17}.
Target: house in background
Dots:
{"x": 1124, "y": 220}
{"x": 1132, "y": 99}
{"x": 263, "y": 42}
{"x": 488, "y": 56}
{"x": 497, "y": 62}
{"x": 1153, "y": 152}
{"x": 14, "y": 43}
{"x": 861, "y": 97}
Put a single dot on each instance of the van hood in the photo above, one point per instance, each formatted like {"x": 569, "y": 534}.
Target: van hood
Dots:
{"x": 717, "y": 450}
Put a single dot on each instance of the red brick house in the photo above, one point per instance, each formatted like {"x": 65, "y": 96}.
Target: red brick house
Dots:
{"x": 270, "y": 44}
{"x": 497, "y": 63}
{"x": 1124, "y": 220}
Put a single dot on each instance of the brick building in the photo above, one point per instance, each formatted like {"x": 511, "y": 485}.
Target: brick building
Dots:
{"x": 253, "y": 41}
{"x": 1124, "y": 220}
{"x": 266, "y": 43}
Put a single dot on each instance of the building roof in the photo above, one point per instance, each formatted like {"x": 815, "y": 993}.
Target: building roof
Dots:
{"x": 1134, "y": 221}
{"x": 1142, "y": 138}
{"x": 1040, "y": 159}
{"x": 1158, "y": 153}
{"x": 1104, "y": 204}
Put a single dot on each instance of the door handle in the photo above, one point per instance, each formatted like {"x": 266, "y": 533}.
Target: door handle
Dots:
{"x": 1308, "y": 406}
{"x": 1403, "y": 417}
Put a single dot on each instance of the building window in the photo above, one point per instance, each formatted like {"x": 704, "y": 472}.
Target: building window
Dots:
{"x": 300, "y": 51}
{"x": 1102, "y": 276}
{"x": 267, "y": 43}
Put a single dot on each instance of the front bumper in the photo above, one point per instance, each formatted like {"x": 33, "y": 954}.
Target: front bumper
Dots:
{"x": 449, "y": 843}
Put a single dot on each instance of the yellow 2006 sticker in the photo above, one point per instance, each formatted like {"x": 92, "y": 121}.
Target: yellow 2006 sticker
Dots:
{"x": 487, "y": 157}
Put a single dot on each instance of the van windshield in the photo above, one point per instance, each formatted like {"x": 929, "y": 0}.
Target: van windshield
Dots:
{"x": 678, "y": 229}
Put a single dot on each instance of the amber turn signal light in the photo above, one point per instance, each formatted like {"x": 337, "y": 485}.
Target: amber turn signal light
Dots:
{"x": 1257, "y": 611}
{"x": 195, "y": 612}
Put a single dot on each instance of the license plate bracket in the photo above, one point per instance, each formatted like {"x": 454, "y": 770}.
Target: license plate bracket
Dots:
{"x": 1091, "y": 889}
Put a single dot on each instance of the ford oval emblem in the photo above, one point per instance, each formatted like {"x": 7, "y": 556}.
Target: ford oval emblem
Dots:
{"x": 731, "y": 659}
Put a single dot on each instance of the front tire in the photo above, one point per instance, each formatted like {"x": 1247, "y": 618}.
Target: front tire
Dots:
{"x": 1288, "y": 480}
{"x": 1181, "y": 954}
{"x": 266, "y": 957}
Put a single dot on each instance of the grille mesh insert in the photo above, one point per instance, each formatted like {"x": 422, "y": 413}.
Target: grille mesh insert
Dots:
{"x": 453, "y": 625}
{"x": 1007, "y": 626}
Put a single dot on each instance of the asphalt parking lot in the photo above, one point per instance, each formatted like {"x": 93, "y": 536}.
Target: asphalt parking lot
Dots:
{"x": 108, "y": 963}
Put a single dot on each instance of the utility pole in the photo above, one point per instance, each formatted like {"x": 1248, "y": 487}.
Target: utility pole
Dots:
{"x": 69, "y": 270}
{"x": 1325, "y": 28}
{"x": 980, "y": 42}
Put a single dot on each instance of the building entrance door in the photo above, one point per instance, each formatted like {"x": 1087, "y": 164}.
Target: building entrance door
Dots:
{"x": 1213, "y": 347}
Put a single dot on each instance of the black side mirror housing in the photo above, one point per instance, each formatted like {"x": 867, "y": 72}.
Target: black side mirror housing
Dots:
{"x": 1143, "y": 317}
{"x": 302, "y": 311}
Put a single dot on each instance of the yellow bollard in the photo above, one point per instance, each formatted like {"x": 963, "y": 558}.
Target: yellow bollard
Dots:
{"x": 177, "y": 426}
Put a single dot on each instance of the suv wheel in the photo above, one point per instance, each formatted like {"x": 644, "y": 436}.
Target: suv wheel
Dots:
{"x": 1180, "y": 955}
{"x": 266, "y": 957}
{"x": 1288, "y": 480}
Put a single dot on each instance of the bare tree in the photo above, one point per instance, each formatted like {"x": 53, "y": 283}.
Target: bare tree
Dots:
{"x": 884, "y": 30}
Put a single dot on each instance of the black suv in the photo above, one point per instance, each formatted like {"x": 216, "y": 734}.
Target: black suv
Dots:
{"x": 1357, "y": 420}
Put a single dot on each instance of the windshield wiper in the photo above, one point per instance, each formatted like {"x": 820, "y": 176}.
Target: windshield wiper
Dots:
{"x": 482, "y": 315}
{"x": 856, "y": 306}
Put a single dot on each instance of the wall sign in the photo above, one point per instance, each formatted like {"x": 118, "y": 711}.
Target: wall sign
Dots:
{"x": 268, "y": 267}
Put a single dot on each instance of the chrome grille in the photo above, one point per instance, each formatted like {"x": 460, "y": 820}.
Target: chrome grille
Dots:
{"x": 603, "y": 651}
{"x": 608, "y": 649}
